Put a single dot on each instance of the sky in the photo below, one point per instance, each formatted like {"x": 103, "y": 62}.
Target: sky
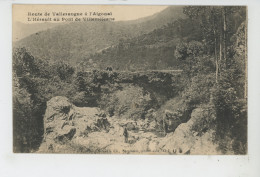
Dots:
{"x": 119, "y": 12}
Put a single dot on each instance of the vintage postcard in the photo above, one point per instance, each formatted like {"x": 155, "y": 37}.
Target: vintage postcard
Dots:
{"x": 130, "y": 79}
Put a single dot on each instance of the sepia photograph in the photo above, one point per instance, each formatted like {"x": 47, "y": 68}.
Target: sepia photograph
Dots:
{"x": 130, "y": 79}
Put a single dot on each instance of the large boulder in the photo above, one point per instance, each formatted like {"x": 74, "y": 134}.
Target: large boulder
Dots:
{"x": 180, "y": 141}
{"x": 141, "y": 146}
{"x": 194, "y": 136}
{"x": 205, "y": 145}
{"x": 58, "y": 120}
{"x": 63, "y": 122}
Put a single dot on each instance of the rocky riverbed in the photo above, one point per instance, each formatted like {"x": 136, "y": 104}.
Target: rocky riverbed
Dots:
{"x": 71, "y": 129}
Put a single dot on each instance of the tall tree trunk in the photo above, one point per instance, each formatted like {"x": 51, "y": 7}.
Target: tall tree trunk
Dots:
{"x": 245, "y": 89}
{"x": 216, "y": 59}
{"x": 190, "y": 70}
{"x": 215, "y": 45}
{"x": 220, "y": 54}
{"x": 224, "y": 37}
{"x": 216, "y": 56}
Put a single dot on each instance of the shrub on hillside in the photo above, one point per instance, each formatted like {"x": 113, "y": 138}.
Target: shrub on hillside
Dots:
{"x": 199, "y": 90}
{"x": 203, "y": 119}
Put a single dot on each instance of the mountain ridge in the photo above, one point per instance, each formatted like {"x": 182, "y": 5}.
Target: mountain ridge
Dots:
{"x": 75, "y": 41}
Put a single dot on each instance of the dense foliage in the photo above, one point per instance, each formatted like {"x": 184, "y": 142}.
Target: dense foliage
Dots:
{"x": 36, "y": 81}
{"x": 151, "y": 51}
{"x": 227, "y": 45}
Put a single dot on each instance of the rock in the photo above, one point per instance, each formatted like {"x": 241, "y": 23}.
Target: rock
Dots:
{"x": 101, "y": 114}
{"x": 130, "y": 126}
{"x": 186, "y": 140}
{"x": 116, "y": 129}
{"x": 153, "y": 146}
{"x": 152, "y": 126}
{"x": 70, "y": 129}
{"x": 141, "y": 145}
{"x": 63, "y": 121}
{"x": 151, "y": 114}
{"x": 58, "y": 107}
{"x": 97, "y": 124}
{"x": 58, "y": 121}
{"x": 65, "y": 137}
{"x": 180, "y": 141}
{"x": 103, "y": 123}
{"x": 148, "y": 135}
{"x": 205, "y": 145}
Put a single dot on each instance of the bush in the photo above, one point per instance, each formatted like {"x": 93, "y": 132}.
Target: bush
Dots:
{"x": 26, "y": 127}
{"x": 204, "y": 117}
{"x": 199, "y": 90}
{"x": 35, "y": 82}
{"x": 231, "y": 112}
{"x": 130, "y": 102}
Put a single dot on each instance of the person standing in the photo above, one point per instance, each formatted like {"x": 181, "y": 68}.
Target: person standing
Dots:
{"x": 125, "y": 135}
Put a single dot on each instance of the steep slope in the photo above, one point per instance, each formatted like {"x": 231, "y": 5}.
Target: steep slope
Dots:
{"x": 155, "y": 50}
{"x": 150, "y": 51}
{"x": 76, "y": 41}
{"x": 22, "y": 30}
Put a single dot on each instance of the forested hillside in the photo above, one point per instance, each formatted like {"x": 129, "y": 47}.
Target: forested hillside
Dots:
{"x": 151, "y": 51}
{"x": 75, "y": 41}
{"x": 22, "y": 30}
{"x": 156, "y": 50}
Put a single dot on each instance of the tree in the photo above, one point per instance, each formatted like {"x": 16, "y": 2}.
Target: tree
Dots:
{"x": 190, "y": 52}
{"x": 239, "y": 62}
{"x": 64, "y": 70}
{"x": 24, "y": 63}
{"x": 24, "y": 130}
{"x": 217, "y": 25}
